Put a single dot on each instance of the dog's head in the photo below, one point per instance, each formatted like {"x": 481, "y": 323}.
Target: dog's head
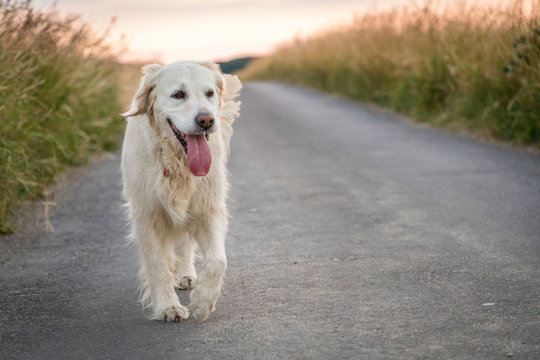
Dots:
{"x": 182, "y": 100}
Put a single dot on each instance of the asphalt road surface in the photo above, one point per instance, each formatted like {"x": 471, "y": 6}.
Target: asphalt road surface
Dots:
{"x": 354, "y": 235}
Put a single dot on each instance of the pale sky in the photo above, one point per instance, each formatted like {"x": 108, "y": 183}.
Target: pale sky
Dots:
{"x": 171, "y": 30}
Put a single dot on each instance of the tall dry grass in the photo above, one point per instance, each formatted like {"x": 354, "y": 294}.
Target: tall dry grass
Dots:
{"x": 58, "y": 99}
{"x": 473, "y": 68}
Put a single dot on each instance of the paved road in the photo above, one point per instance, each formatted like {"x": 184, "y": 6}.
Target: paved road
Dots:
{"x": 355, "y": 235}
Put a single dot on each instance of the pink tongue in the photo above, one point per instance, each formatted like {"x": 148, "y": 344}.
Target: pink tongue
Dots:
{"x": 198, "y": 152}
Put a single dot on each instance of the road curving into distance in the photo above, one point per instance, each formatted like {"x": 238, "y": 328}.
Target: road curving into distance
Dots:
{"x": 355, "y": 234}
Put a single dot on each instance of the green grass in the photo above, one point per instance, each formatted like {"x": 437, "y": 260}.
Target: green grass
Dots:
{"x": 454, "y": 64}
{"x": 58, "y": 100}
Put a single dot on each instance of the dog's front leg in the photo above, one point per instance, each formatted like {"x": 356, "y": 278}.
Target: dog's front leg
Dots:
{"x": 211, "y": 239}
{"x": 157, "y": 280}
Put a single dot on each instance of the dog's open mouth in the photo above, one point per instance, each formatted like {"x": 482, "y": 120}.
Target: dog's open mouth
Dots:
{"x": 179, "y": 135}
{"x": 196, "y": 148}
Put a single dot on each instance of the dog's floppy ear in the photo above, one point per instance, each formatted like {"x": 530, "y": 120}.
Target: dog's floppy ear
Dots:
{"x": 141, "y": 103}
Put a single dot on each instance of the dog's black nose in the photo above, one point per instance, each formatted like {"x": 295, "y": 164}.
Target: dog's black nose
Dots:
{"x": 205, "y": 120}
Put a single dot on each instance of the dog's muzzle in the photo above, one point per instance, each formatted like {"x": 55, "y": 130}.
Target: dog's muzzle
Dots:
{"x": 182, "y": 137}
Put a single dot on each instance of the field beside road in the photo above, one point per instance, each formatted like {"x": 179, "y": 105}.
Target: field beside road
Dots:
{"x": 461, "y": 65}
{"x": 61, "y": 93}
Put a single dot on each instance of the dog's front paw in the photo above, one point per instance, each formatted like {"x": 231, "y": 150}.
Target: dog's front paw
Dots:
{"x": 172, "y": 313}
{"x": 187, "y": 282}
{"x": 201, "y": 310}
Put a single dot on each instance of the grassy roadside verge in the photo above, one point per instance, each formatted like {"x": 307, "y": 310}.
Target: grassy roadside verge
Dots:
{"x": 469, "y": 68}
{"x": 58, "y": 100}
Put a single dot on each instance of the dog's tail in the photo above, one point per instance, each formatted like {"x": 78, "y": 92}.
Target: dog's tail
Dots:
{"x": 229, "y": 109}
{"x": 231, "y": 89}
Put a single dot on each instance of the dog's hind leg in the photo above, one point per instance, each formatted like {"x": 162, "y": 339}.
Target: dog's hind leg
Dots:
{"x": 211, "y": 239}
{"x": 185, "y": 269}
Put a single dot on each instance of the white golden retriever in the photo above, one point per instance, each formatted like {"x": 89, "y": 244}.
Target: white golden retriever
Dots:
{"x": 174, "y": 156}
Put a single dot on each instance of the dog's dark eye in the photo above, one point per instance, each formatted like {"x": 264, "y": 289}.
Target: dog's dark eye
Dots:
{"x": 210, "y": 93}
{"x": 179, "y": 94}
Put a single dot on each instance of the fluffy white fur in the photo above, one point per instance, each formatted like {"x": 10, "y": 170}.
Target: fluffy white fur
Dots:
{"x": 172, "y": 212}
